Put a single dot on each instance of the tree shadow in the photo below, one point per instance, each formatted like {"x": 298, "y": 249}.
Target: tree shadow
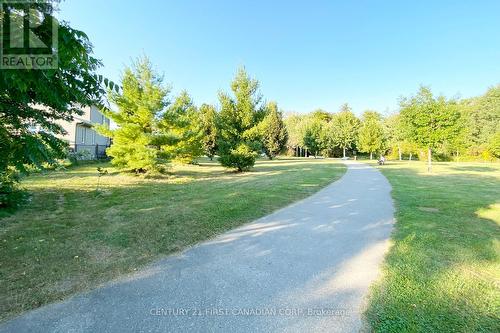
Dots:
{"x": 71, "y": 232}
{"x": 297, "y": 259}
{"x": 474, "y": 168}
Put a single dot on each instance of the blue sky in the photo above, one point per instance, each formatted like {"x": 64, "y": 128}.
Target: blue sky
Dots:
{"x": 306, "y": 54}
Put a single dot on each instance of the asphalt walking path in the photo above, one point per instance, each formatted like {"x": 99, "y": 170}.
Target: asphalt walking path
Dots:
{"x": 304, "y": 268}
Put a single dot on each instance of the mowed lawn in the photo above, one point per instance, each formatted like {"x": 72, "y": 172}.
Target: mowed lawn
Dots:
{"x": 70, "y": 237}
{"x": 442, "y": 273}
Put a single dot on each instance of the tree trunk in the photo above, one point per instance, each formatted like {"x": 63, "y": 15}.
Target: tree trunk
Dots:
{"x": 343, "y": 151}
{"x": 300, "y": 151}
{"x": 429, "y": 159}
{"x": 411, "y": 154}
{"x": 305, "y": 154}
{"x": 371, "y": 156}
{"x": 399, "y": 152}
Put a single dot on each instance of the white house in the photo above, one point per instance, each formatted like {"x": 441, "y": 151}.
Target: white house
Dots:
{"x": 82, "y": 137}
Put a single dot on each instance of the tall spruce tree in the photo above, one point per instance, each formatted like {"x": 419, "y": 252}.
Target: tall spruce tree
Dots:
{"x": 274, "y": 134}
{"x": 208, "y": 116}
{"x": 181, "y": 124}
{"x": 238, "y": 117}
{"x": 140, "y": 104}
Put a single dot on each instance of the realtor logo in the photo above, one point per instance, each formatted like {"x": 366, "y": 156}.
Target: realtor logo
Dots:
{"x": 28, "y": 35}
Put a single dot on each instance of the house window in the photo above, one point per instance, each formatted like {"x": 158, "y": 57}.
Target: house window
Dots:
{"x": 81, "y": 134}
{"x": 93, "y": 137}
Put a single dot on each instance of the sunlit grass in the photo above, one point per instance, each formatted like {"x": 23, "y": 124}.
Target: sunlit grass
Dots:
{"x": 70, "y": 236}
{"x": 442, "y": 273}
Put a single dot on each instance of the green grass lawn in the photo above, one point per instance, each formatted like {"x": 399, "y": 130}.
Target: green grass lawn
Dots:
{"x": 442, "y": 273}
{"x": 70, "y": 238}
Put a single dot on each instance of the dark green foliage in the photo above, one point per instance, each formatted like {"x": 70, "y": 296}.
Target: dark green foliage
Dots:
{"x": 238, "y": 119}
{"x": 312, "y": 137}
{"x": 482, "y": 116}
{"x": 242, "y": 158}
{"x": 273, "y": 131}
{"x": 33, "y": 100}
{"x": 208, "y": 120}
{"x": 10, "y": 195}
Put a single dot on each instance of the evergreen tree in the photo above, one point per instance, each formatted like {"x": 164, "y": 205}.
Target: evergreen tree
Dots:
{"x": 239, "y": 115}
{"x": 208, "y": 116}
{"x": 371, "y": 135}
{"x": 181, "y": 126}
{"x": 141, "y": 102}
{"x": 274, "y": 134}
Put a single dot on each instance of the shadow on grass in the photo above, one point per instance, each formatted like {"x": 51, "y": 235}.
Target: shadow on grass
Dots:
{"x": 68, "y": 238}
{"x": 473, "y": 168}
{"x": 294, "y": 259}
{"x": 442, "y": 271}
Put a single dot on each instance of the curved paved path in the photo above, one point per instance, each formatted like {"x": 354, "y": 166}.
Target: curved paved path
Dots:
{"x": 304, "y": 268}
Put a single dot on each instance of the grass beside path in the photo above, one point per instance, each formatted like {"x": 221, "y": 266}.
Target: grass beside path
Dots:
{"x": 442, "y": 273}
{"x": 70, "y": 238}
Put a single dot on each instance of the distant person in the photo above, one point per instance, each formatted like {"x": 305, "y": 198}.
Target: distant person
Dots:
{"x": 381, "y": 161}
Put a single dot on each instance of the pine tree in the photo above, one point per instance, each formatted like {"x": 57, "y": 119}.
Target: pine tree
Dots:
{"x": 274, "y": 134}
{"x": 239, "y": 115}
{"x": 181, "y": 124}
{"x": 208, "y": 117}
{"x": 141, "y": 102}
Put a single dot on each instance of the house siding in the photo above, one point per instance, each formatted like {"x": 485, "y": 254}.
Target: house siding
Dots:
{"x": 81, "y": 136}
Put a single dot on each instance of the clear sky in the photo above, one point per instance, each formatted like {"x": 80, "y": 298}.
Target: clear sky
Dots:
{"x": 306, "y": 54}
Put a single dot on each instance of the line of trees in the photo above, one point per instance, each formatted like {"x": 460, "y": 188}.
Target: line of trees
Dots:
{"x": 152, "y": 129}
{"x": 426, "y": 126}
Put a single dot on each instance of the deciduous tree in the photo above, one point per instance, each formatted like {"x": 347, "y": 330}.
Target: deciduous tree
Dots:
{"x": 345, "y": 126}
{"x": 32, "y": 101}
{"x": 430, "y": 121}
{"x": 371, "y": 134}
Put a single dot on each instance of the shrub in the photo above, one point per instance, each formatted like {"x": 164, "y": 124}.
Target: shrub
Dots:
{"x": 494, "y": 145}
{"x": 241, "y": 158}
{"x": 10, "y": 195}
